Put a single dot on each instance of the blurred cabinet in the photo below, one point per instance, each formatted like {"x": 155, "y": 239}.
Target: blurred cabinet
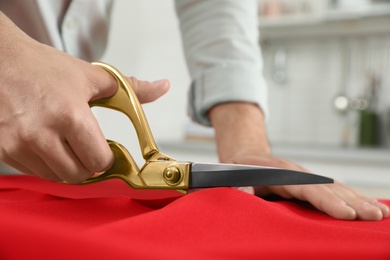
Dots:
{"x": 317, "y": 51}
{"x": 323, "y": 20}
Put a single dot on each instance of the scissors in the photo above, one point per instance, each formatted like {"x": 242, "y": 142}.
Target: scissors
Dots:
{"x": 164, "y": 172}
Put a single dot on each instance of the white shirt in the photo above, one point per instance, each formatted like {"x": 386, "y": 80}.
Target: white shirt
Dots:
{"x": 78, "y": 27}
{"x": 221, "y": 45}
{"x": 220, "y": 40}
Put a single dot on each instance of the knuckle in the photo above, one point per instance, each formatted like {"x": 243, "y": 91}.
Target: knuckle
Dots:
{"x": 70, "y": 117}
{"x": 134, "y": 82}
{"x": 28, "y": 135}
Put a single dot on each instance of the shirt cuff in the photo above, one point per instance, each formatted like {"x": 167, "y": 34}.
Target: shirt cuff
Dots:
{"x": 226, "y": 84}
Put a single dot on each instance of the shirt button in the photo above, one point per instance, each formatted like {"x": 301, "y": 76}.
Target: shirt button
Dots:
{"x": 71, "y": 24}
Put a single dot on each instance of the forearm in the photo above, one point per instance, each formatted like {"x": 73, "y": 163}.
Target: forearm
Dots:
{"x": 239, "y": 128}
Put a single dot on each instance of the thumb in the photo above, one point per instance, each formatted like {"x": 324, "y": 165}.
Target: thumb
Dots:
{"x": 149, "y": 91}
{"x": 105, "y": 85}
{"x": 102, "y": 83}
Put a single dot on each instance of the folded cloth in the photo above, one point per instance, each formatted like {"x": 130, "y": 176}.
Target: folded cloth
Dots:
{"x": 109, "y": 220}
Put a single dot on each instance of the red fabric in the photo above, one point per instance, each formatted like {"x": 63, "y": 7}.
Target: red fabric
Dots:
{"x": 109, "y": 220}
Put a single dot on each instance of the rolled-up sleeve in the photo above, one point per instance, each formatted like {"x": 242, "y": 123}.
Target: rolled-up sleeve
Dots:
{"x": 220, "y": 39}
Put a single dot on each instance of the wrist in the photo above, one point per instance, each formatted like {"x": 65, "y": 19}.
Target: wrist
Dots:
{"x": 239, "y": 130}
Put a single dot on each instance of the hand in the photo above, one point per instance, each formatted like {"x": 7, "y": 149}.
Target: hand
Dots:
{"x": 337, "y": 200}
{"x": 46, "y": 125}
{"x": 241, "y": 138}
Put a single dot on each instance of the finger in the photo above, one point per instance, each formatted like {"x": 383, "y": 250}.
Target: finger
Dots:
{"x": 149, "y": 91}
{"x": 366, "y": 208}
{"x": 17, "y": 166}
{"x": 29, "y": 163}
{"x": 327, "y": 201}
{"x": 324, "y": 199}
{"x": 101, "y": 83}
{"x": 374, "y": 202}
{"x": 51, "y": 149}
{"x": 88, "y": 143}
{"x": 66, "y": 165}
{"x": 384, "y": 208}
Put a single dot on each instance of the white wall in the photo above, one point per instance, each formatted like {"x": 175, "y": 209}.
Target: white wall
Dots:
{"x": 302, "y": 110}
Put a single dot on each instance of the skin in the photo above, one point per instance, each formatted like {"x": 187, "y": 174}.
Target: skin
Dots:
{"x": 243, "y": 125}
{"x": 47, "y": 128}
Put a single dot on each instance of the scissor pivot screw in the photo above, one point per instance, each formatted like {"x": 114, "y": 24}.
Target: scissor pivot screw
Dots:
{"x": 172, "y": 175}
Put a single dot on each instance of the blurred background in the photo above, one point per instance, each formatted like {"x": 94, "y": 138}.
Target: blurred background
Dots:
{"x": 327, "y": 65}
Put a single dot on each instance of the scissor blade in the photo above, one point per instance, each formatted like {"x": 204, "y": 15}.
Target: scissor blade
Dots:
{"x": 205, "y": 175}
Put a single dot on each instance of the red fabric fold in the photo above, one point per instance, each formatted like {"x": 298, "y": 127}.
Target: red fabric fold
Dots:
{"x": 109, "y": 220}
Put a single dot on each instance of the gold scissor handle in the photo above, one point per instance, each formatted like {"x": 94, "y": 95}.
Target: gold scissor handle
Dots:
{"x": 160, "y": 171}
